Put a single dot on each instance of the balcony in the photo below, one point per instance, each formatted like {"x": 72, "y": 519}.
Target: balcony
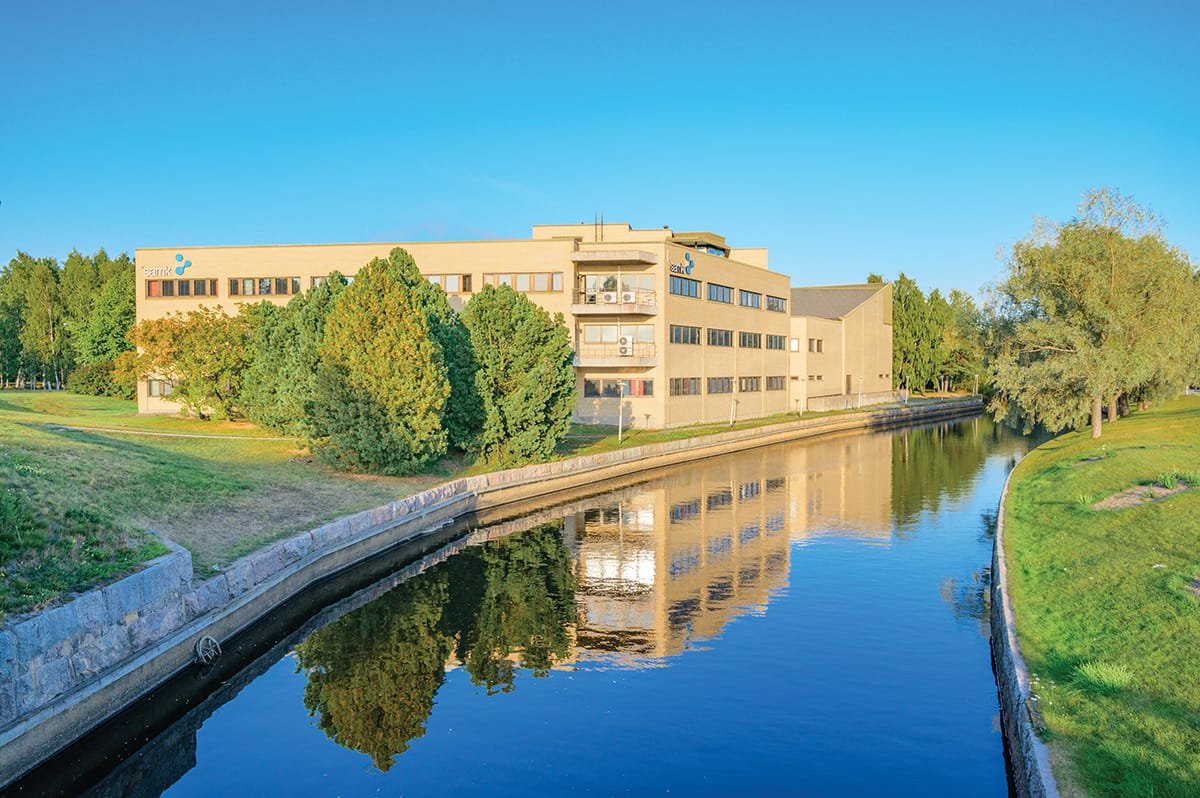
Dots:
{"x": 614, "y": 256}
{"x": 606, "y": 303}
{"x": 615, "y": 355}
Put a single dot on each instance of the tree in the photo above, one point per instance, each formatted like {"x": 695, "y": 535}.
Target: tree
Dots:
{"x": 913, "y": 336}
{"x": 381, "y": 383}
{"x": 526, "y": 378}
{"x": 105, "y": 331}
{"x": 205, "y": 352}
{"x": 463, "y": 414}
{"x": 43, "y": 330}
{"x": 1101, "y": 306}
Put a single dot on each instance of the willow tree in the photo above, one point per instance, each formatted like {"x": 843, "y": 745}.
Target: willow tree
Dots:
{"x": 1099, "y": 307}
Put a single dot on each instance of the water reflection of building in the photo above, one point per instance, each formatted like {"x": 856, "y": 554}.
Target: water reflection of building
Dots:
{"x": 674, "y": 561}
{"x": 840, "y": 488}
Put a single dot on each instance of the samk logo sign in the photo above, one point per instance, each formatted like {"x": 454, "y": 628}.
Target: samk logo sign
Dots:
{"x": 165, "y": 271}
{"x": 683, "y": 268}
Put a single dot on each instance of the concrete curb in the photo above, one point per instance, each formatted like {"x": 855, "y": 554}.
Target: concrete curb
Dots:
{"x": 167, "y": 627}
{"x": 1032, "y": 776}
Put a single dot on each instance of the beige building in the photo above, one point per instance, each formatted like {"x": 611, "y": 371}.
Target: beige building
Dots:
{"x": 841, "y": 346}
{"x": 669, "y": 329}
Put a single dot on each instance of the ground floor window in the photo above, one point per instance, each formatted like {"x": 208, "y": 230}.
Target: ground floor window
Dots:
{"x": 749, "y": 384}
{"x": 776, "y": 383}
{"x": 685, "y": 386}
{"x": 161, "y": 387}
{"x": 613, "y": 389}
{"x": 720, "y": 384}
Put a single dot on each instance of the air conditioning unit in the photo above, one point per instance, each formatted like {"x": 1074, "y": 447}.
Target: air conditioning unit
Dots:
{"x": 625, "y": 346}
{"x": 629, "y": 296}
{"x": 610, "y": 297}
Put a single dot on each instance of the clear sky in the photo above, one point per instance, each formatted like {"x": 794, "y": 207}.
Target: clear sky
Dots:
{"x": 848, "y": 137}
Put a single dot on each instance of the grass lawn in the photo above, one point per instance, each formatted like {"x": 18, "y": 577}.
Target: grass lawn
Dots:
{"x": 220, "y": 498}
{"x": 1104, "y": 570}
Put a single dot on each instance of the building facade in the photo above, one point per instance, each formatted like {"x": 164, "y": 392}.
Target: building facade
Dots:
{"x": 669, "y": 329}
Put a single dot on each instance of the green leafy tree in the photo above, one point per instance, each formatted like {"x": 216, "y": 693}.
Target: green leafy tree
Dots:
{"x": 1101, "y": 306}
{"x": 526, "y": 378}
{"x": 205, "y": 352}
{"x": 43, "y": 334}
{"x": 914, "y": 339}
{"x": 381, "y": 385}
{"x": 105, "y": 333}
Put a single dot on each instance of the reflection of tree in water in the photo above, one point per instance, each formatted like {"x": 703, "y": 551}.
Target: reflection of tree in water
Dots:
{"x": 933, "y": 463}
{"x": 373, "y": 674}
{"x": 971, "y": 601}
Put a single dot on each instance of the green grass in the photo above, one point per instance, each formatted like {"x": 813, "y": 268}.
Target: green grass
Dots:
{"x": 220, "y": 498}
{"x": 1105, "y": 616}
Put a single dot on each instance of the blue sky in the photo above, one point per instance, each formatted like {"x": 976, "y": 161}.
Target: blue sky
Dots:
{"x": 847, "y": 137}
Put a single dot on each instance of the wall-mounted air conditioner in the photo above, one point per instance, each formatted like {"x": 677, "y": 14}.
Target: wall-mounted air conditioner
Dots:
{"x": 629, "y": 296}
{"x": 625, "y": 346}
{"x": 610, "y": 297}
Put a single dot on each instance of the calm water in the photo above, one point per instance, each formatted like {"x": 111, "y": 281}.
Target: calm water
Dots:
{"x": 807, "y": 619}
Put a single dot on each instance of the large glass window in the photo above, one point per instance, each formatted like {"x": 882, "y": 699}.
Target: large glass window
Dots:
{"x": 749, "y": 299}
{"x": 749, "y": 384}
{"x": 719, "y": 337}
{"x": 525, "y": 282}
{"x": 682, "y": 334}
{"x": 264, "y": 286}
{"x": 776, "y": 383}
{"x": 776, "y": 341}
{"x": 685, "y": 386}
{"x": 776, "y": 303}
{"x": 613, "y": 389}
{"x": 720, "y": 293}
{"x": 685, "y": 286}
{"x": 720, "y": 384}
{"x": 749, "y": 340}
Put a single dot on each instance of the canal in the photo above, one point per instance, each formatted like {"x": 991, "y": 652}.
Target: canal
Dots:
{"x": 804, "y": 619}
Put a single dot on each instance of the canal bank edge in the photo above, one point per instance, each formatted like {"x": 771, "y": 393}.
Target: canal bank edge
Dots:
{"x": 1032, "y": 776}
{"x": 66, "y": 670}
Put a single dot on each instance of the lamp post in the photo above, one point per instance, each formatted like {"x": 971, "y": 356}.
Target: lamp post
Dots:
{"x": 620, "y": 409}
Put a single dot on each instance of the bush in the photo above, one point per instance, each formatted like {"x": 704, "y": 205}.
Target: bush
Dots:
{"x": 115, "y": 377}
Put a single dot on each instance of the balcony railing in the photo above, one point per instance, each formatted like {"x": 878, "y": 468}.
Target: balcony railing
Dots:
{"x": 630, "y": 300}
{"x": 631, "y": 354}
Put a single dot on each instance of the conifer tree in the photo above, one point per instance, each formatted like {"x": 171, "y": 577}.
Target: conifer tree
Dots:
{"x": 526, "y": 378}
{"x": 381, "y": 384}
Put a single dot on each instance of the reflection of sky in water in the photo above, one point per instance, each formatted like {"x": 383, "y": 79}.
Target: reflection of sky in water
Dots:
{"x": 798, "y": 618}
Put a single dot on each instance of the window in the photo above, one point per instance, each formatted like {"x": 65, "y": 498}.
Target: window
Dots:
{"x": 776, "y": 383}
{"x": 525, "y": 282}
{"x": 720, "y": 384}
{"x": 160, "y": 388}
{"x": 267, "y": 286}
{"x": 685, "y": 386}
{"x": 720, "y": 293}
{"x": 685, "y": 286}
{"x": 776, "y": 341}
{"x": 718, "y": 337}
{"x": 794, "y": 345}
{"x": 613, "y": 389}
{"x": 168, "y": 288}
{"x": 681, "y": 334}
{"x": 816, "y": 344}
{"x": 749, "y": 384}
{"x": 461, "y": 283}
{"x": 776, "y": 303}
{"x": 749, "y": 299}
{"x": 749, "y": 340}
{"x": 611, "y": 333}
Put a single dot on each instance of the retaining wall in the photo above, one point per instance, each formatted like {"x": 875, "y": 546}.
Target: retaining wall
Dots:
{"x": 1032, "y": 777}
{"x": 65, "y": 670}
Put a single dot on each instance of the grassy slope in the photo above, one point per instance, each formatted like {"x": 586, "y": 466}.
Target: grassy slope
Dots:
{"x": 220, "y": 498}
{"x": 1111, "y": 587}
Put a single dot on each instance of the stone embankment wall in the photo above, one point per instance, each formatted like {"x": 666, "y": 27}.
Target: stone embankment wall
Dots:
{"x": 65, "y": 670}
{"x": 1032, "y": 777}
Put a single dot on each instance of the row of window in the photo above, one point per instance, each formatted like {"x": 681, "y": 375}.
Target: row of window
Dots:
{"x": 526, "y": 282}
{"x": 686, "y": 334}
{"x": 612, "y": 333}
{"x": 264, "y": 286}
{"x": 172, "y": 288}
{"x": 690, "y": 386}
{"x": 618, "y": 388}
{"x": 816, "y": 344}
{"x": 452, "y": 283}
{"x": 686, "y": 286}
